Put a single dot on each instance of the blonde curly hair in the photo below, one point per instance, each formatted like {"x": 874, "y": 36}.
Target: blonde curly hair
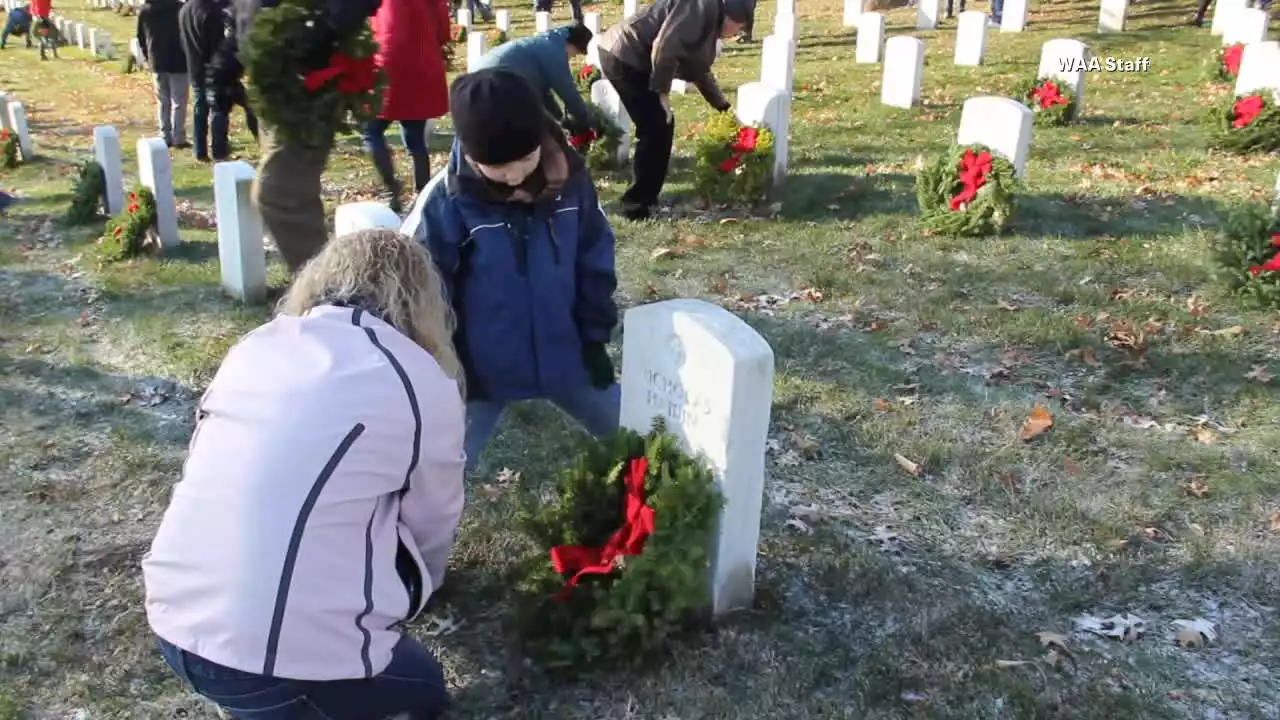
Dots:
{"x": 388, "y": 274}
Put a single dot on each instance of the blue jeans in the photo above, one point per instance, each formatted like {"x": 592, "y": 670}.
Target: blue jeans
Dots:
{"x": 597, "y": 410}
{"x": 412, "y": 683}
{"x": 11, "y": 27}
{"x": 574, "y": 5}
{"x": 412, "y": 132}
{"x": 997, "y": 10}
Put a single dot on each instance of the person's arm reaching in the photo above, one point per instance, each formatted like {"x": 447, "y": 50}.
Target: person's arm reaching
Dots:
{"x": 563, "y": 85}
{"x": 711, "y": 92}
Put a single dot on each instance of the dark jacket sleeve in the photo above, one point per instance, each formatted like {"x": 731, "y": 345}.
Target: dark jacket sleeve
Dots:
{"x": 141, "y": 32}
{"x": 594, "y": 308}
{"x": 555, "y": 67}
{"x": 682, "y": 29}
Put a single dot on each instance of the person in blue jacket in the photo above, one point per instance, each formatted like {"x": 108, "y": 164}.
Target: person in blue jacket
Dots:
{"x": 18, "y": 24}
{"x": 527, "y": 258}
{"x": 543, "y": 60}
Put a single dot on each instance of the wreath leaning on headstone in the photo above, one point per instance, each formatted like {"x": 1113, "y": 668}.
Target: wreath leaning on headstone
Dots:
{"x": 1228, "y": 62}
{"x": 1050, "y": 99}
{"x": 623, "y": 555}
{"x": 131, "y": 231}
{"x": 599, "y": 145}
{"x": 967, "y": 191}
{"x": 1247, "y": 124}
{"x": 307, "y": 106}
{"x": 1247, "y": 253}
{"x": 588, "y": 75}
{"x": 86, "y": 199}
{"x": 733, "y": 164}
{"x": 8, "y": 149}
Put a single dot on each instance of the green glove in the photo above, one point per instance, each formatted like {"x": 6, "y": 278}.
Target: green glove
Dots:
{"x": 596, "y": 359}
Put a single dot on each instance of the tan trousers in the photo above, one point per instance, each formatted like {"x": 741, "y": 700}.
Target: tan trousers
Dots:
{"x": 287, "y": 194}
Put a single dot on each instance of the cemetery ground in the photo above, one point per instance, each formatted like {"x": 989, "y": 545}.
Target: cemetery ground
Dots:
{"x": 914, "y": 544}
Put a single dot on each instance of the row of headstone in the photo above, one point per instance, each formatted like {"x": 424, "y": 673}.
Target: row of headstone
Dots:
{"x": 155, "y": 172}
{"x": 13, "y": 117}
{"x": 928, "y": 14}
{"x": 96, "y": 42}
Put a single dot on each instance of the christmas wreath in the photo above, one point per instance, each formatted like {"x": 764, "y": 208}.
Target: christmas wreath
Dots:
{"x": 1051, "y": 101}
{"x": 968, "y": 192}
{"x": 1228, "y": 64}
{"x": 458, "y": 33}
{"x": 1248, "y": 124}
{"x": 496, "y": 37}
{"x": 306, "y": 106}
{"x": 623, "y": 554}
{"x": 86, "y": 200}
{"x": 733, "y": 164}
{"x": 130, "y": 231}
{"x": 1247, "y": 252}
{"x": 600, "y": 149}
{"x": 8, "y": 149}
{"x": 587, "y": 76}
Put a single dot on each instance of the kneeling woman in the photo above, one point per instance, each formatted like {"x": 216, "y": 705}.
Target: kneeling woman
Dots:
{"x": 319, "y": 499}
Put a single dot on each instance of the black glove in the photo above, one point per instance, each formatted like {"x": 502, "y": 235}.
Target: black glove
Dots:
{"x": 724, "y": 108}
{"x": 596, "y": 359}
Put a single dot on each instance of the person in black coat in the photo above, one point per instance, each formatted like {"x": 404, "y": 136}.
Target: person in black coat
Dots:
{"x": 160, "y": 39}
{"x": 209, "y": 45}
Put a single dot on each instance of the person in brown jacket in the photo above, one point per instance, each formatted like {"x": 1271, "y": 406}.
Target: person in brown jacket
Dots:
{"x": 642, "y": 55}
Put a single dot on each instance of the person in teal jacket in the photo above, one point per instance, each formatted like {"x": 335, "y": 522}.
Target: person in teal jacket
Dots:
{"x": 543, "y": 60}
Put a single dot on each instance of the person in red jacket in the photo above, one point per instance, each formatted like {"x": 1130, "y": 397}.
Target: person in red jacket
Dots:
{"x": 411, "y": 35}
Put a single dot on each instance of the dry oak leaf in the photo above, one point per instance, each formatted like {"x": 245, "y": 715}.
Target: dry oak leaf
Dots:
{"x": 1039, "y": 421}
{"x": 1204, "y": 435}
{"x": 1196, "y": 487}
{"x": 1084, "y": 355}
{"x": 908, "y": 465}
{"x": 667, "y": 252}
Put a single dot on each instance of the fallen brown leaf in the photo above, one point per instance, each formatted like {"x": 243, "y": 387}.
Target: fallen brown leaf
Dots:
{"x": 1196, "y": 487}
{"x": 1071, "y": 467}
{"x": 911, "y": 467}
{"x": 1084, "y": 355}
{"x": 1205, "y": 436}
{"x": 1274, "y": 521}
{"x": 1006, "y": 305}
{"x": 1039, "y": 421}
{"x": 667, "y": 252}
{"x": 882, "y": 405}
{"x": 1190, "y": 639}
{"x": 1259, "y": 374}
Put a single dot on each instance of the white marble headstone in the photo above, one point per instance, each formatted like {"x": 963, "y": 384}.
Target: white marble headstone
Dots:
{"x": 870, "y": 38}
{"x": 764, "y": 105}
{"x": 81, "y": 36}
{"x": 971, "y": 38}
{"x": 604, "y": 95}
{"x": 242, "y": 257}
{"x": 541, "y": 21}
{"x": 93, "y": 41}
{"x": 1013, "y": 17}
{"x": 778, "y": 63}
{"x": 464, "y": 18}
{"x": 903, "y": 70}
{"x": 927, "y": 14}
{"x": 593, "y": 52}
{"x": 502, "y": 20}
{"x": 1223, "y": 12}
{"x": 476, "y": 48}
{"x": 1259, "y": 68}
{"x": 1000, "y": 123}
{"x": 351, "y": 217}
{"x": 5, "y": 123}
{"x": 629, "y": 8}
{"x": 784, "y": 20}
{"x": 852, "y": 13}
{"x": 18, "y": 126}
{"x": 710, "y": 375}
{"x": 1247, "y": 25}
{"x": 1112, "y": 15}
{"x": 592, "y": 21}
{"x": 156, "y": 174}
{"x": 106, "y": 152}
{"x": 1065, "y": 60}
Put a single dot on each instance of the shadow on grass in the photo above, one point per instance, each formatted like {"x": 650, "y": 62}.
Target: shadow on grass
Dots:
{"x": 837, "y": 196}
{"x": 1071, "y": 215}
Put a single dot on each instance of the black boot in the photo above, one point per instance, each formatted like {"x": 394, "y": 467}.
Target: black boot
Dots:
{"x": 421, "y": 171}
{"x": 387, "y": 171}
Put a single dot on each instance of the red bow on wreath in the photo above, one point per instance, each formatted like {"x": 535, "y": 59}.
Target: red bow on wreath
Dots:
{"x": 974, "y": 168}
{"x": 743, "y": 144}
{"x": 1272, "y": 265}
{"x": 586, "y": 71}
{"x": 1047, "y": 95}
{"x": 1231, "y": 58}
{"x": 1246, "y": 110}
{"x": 584, "y": 138}
{"x": 637, "y": 526}
{"x": 355, "y": 75}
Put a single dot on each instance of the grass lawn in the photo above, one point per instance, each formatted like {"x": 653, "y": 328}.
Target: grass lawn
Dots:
{"x": 913, "y": 545}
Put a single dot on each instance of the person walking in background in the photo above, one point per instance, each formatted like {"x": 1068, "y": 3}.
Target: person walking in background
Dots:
{"x": 215, "y": 76}
{"x": 641, "y": 55}
{"x": 543, "y": 60}
{"x": 477, "y": 8}
{"x": 526, "y": 252}
{"x": 319, "y": 500}
{"x": 574, "y": 5}
{"x": 160, "y": 38}
{"x": 409, "y": 34}
{"x": 18, "y": 24}
{"x": 287, "y": 188}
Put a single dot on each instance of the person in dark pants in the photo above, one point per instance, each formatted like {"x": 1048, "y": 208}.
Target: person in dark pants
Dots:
{"x": 18, "y": 24}
{"x": 160, "y": 38}
{"x": 204, "y": 25}
{"x": 640, "y": 57}
{"x": 574, "y": 5}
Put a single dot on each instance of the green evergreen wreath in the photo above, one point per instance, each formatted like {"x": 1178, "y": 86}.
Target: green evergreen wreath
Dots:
{"x": 600, "y": 151}
{"x": 1250, "y": 238}
{"x": 1260, "y": 134}
{"x": 1049, "y": 113}
{"x": 8, "y": 149}
{"x": 728, "y": 171}
{"x": 629, "y": 616}
{"x": 274, "y": 64}
{"x": 987, "y": 214}
{"x": 126, "y": 233}
{"x": 86, "y": 200}
{"x": 586, "y": 77}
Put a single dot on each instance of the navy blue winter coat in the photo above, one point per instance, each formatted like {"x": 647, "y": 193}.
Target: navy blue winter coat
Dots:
{"x": 530, "y": 283}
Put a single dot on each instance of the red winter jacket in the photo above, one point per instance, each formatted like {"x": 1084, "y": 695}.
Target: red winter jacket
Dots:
{"x": 411, "y": 35}
{"x": 41, "y": 9}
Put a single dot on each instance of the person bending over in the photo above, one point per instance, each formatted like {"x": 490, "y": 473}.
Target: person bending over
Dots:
{"x": 641, "y": 55}
{"x": 319, "y": 499}
{"x": 543, "y": 60}
{"x": 516, "y": 228}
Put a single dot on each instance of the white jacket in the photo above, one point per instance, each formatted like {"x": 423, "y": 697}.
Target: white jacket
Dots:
{"x": 323, "y": 442}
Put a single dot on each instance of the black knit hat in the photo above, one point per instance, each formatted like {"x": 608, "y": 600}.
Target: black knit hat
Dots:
{"x": 497, "y": 115}
{"x": 739, "y": 10}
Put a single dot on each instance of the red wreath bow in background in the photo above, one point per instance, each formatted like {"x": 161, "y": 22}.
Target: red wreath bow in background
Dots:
{"x": 974, "y": 169}
{"x": 584, "y": 138}
{"x": 1231, "y": 58}
{"x": 1047, "y": 94}
{"x": 1246, "y": 110}
{"x": 637, "y": 526}
{"x": 743, "y": 144}
{"x": 586, "y": 71}
{"x": 1272, "y": 265}
{"x": 355, "y": 76}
